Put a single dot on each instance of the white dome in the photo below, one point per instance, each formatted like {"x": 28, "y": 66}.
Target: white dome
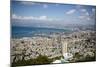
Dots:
{"x": 67, "y": 56}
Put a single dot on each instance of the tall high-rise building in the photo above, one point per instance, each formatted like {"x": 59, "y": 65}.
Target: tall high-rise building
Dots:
{"x": 64, "y": 47}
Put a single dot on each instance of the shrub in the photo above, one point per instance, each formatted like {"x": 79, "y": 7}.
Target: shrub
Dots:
{"x": 37, "y": 61}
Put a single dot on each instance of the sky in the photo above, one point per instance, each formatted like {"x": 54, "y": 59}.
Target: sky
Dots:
{"x": 31, "y": 13}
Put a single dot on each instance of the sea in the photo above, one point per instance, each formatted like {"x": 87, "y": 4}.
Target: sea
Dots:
{"x": 20, "y": 31}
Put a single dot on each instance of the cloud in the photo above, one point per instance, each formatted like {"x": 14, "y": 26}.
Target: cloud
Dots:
{"x": 88, "y": 18}
{"x": 14, "y": 16}
{"x": 70, "y": 11}
{"x": 42, "y": 18}
{"x": 45, "y": 6}
{"x": 33, "y": 3}
{"x": 57, "y": 4}
{"x": 27, "y": 3}
{"x": 93, "y": 9}
{"x": 84, "y": 14}
{"x": 87, "y": 14}
{"x": 84, "y": 17}
{"x": 79, "y": 6}
{"x": 83, "y": 10}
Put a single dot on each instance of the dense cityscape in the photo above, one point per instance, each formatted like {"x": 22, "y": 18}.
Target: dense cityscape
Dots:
{"x": 79, "y": 44}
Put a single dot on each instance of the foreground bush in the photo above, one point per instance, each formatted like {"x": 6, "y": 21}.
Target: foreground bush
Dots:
{"x": 80, "y": 58}
{"x": 37, "y": 61}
